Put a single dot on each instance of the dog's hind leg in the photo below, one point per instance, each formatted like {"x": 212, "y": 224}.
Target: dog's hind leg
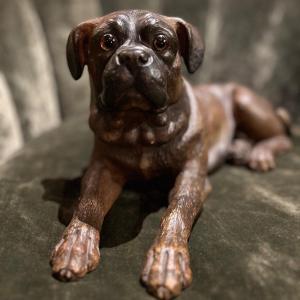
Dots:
{"x": 265, "y": 127}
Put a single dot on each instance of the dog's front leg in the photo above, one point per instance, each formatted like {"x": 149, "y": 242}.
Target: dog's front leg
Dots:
{"x": 78, "y": 251}
{"x": 167, "y": 267}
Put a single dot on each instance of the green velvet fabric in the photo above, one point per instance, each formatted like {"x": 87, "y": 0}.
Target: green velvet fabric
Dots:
{"x": 245, "y": 244}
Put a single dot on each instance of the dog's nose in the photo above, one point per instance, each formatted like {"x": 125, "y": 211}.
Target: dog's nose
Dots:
{"x": 134, "y": 57}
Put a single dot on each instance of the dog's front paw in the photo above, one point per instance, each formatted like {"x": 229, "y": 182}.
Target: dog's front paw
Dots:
{"x": 77, "y": 252}
{"x": 167, "y": 271}
{"x": 261, "y": 159}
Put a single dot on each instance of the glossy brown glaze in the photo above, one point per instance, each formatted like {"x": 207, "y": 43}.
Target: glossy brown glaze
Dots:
{"x": 149, "y": 121}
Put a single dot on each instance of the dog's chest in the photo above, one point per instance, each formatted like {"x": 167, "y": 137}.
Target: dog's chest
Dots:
{"x": 148, "y": 164}
{"x": 151, "y": 162}
{"x": 144, "y": 161}
{"x": 147, "y": 161}
{"x": 149, "y": 147}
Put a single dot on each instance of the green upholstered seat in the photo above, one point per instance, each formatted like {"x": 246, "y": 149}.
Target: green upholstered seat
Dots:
{"x": 244, "y": 246}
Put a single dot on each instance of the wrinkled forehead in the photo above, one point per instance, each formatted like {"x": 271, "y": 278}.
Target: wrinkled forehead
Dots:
{"x": 134, "y": 21}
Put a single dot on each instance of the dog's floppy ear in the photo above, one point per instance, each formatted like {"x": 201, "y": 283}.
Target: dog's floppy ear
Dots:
{"x": 77, "y": 48}
{"x": 190, "y": 43}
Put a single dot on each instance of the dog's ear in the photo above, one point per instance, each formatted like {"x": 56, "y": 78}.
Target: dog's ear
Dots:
{"x": 190, "y": 43}
{"x": 77, "y": 48}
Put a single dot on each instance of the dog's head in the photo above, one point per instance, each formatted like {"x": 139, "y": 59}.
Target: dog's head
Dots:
{"x": 134, "y": 58}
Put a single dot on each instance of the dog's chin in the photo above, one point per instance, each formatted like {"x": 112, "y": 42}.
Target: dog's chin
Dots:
{"x": 134, "y": 101}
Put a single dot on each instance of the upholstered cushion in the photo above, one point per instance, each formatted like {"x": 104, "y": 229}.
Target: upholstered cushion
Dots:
{"x": 244, "y": 246}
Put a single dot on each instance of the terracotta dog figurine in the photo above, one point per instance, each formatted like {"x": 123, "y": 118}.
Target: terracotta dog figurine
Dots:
{"x": 149, "y": 121}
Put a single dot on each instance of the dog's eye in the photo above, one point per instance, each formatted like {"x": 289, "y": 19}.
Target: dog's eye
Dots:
{"x": 108, "y": 42}
{"x": 160, "y": 42}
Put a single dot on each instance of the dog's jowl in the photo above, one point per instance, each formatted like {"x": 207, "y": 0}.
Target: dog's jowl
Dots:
{"x": 148, "y": 121}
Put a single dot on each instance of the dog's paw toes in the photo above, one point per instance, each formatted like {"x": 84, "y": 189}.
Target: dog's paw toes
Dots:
{"x": 239, "y": 152}
{"x": 65, "y": 275}
{"x": 261, "y": 160}
{"x": 163, "y": 293}
{"x": 167, "y": 271}
{"x": 77, "y": 253}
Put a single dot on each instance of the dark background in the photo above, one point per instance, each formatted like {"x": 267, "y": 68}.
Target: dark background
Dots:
{"x": 253, "y": 42}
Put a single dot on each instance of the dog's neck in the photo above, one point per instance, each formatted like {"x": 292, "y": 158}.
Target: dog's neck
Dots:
{"x": 141, "y": 128}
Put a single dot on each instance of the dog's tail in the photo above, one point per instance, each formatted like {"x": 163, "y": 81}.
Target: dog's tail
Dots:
{"x": 285, "y": 118}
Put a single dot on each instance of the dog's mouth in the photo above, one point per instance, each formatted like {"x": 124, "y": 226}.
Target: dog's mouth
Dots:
{"x": 132, "y": 100}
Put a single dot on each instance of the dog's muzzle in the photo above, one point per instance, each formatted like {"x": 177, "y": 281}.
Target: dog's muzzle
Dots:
{"x": 135, "y": 78}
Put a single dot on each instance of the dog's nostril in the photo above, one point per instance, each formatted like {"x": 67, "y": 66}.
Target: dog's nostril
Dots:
{"x": 122, "y": 59}
{"x": 143, "y": 58}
